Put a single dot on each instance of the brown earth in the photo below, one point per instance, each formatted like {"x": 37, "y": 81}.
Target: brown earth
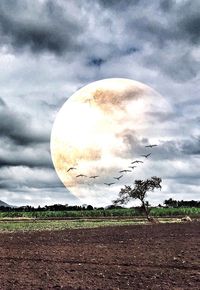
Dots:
{"x": 159, "y": 256}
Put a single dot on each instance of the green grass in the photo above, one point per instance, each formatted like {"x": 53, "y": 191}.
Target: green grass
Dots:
{"x": 10, "y": 226}
{"x": 53, "y": 225}
{"x": 159, "y": 212}
{"x": 73, "y": 214}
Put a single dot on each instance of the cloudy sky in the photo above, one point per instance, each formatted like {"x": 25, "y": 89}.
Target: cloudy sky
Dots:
{"x": 49, "y": 49}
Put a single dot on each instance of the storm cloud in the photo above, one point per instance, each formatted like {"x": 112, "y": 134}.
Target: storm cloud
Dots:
{"x": 40, "y": 26}
{"x": 19, "y": 128}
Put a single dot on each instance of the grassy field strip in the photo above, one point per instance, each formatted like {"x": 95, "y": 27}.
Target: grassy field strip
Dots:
{"x": 10, "y": 226}
{"x": 58, "y": 225}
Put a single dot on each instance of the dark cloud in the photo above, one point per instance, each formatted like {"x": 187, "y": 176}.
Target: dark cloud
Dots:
{"x": 19, "y": 128}
{"x": 181, "y": 23}
{"x": 2, "y": 103}
{"x": 96, "y": 62}
{"x": 166, "y": 150}
{"x": 192, "y": 146}
{"x": 20, "y": 160}
{"x": 40, "y": 27}
{"x": 182, "y": 68}
{"x": 31, "y": 183}
{"x": 134, "y": 146}
{"x": 189, "y": 21}
{"x": 166, "y": 5}
{"x": 188, "y": 179}
{"x": 177, "y": 149}
{"x": 119, "y": 4}
{"x": 130, "y": 50}
{"x": 191, "y": 27}
{"x": 53, "y": 27}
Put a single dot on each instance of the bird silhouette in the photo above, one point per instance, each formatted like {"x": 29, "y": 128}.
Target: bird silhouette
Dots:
{"x": 118, "y": 178}
{"x": 71, "y": 168}
{"x": 150, "y": 146}
{"x": 132, "y": 167}
{"x": 94, "y": 176}
{"x": 109, "y": 184}
{"x": 81, "y": 175}
{"x": 125, "y": 170}
{"x": 137, "y": 161}
{"x": 147, "y": 155}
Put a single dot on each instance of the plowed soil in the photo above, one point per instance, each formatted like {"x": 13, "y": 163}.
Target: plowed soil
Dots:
{"x": 160, "y": 256}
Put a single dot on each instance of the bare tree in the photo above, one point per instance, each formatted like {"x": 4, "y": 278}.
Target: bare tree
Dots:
{"x": 139, "y": 192}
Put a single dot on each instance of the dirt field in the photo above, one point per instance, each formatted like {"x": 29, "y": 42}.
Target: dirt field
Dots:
{"x": 163, "y": 256}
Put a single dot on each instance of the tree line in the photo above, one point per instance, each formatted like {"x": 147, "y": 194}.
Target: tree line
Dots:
{"x": 181, "y": 203}
{"x": 54, "y": 207}
{"x": 59, "y": 207}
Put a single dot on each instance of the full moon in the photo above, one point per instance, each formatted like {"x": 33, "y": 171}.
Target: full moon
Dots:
{"x": 97, "y": 133}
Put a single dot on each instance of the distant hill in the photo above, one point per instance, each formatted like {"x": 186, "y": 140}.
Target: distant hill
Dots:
{"x": 2, "y": 203}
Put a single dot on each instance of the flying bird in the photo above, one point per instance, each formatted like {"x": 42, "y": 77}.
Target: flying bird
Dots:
{"x": 81, "y": 175}
{"x": 71, "y": 168}
{"x": 94, "y": 176}
{"x": 137, "y": 161}
{"x": 150, "y": 146}
{"x": 109, "y": 184}
{"x": 125, "y": 170}
{"x": 132, "y": 167}
{"x": 118, "y": 178}
{"x": 147, "y": 155}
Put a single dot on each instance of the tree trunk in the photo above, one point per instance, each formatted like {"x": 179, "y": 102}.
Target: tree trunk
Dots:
{"x": 145, "y": 210}
{"x": 149, "y": 218}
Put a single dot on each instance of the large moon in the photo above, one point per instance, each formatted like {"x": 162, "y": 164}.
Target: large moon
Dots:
{"x": 97, "y": 133}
